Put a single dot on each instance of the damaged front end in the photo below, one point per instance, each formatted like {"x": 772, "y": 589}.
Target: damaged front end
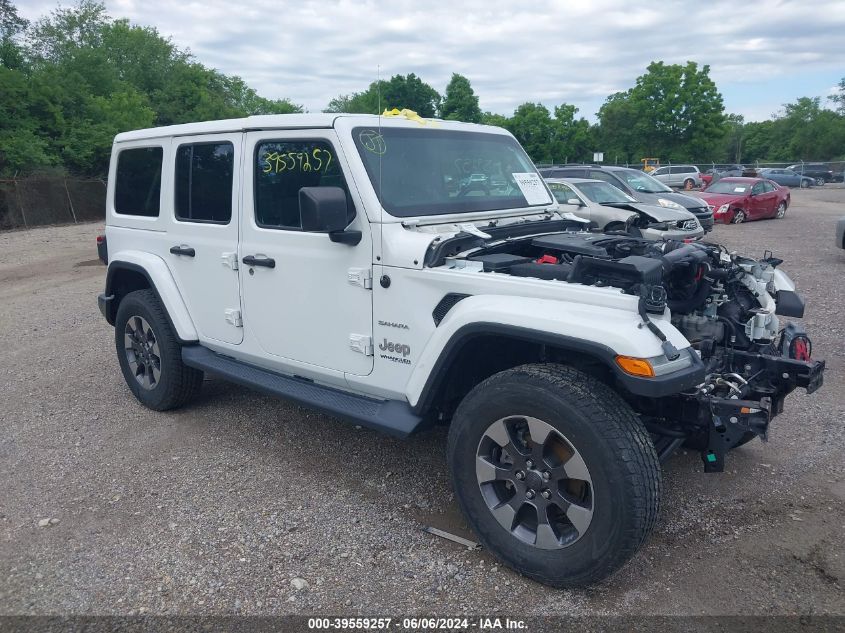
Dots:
{"x": 752, "y": 363}
{"x": 727, "y": 306}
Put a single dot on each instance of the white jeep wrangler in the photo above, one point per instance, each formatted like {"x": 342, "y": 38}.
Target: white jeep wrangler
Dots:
{"x": 397, "y": 272}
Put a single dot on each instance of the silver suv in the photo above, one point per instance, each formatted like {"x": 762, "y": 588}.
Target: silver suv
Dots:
{"x": 682, "y": 176}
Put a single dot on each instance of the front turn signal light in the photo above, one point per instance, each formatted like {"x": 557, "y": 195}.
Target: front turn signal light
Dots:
{"x": 635, "y": 366}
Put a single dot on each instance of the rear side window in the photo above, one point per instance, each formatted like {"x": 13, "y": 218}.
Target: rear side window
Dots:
{"x": 282, "y": 168}
{"x": 137, "y": 188}
{"x": 204, "y": 182}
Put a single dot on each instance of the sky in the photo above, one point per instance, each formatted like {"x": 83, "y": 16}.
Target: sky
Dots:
{"x": 762, "y": 54}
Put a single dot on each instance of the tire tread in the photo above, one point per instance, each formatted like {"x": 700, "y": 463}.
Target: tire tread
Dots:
{"x": 620, "y": 427}
{"x": 182, "y": 383}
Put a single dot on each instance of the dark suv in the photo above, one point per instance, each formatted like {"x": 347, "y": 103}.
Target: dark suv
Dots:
{"x": 638, "y": 184}
{"x": 819, "y": 172}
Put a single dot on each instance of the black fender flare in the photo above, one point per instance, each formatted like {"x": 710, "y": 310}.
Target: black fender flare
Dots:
{"x": 656, "y": 387}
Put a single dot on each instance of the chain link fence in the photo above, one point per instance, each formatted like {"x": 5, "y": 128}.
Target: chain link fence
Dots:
{"x": 40, "y": 200}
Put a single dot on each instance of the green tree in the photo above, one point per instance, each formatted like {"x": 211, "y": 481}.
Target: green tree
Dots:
{"x": 22, "y": 143}
{"x": 490, "y": 118}
{"x": 839, "y": 97}
{"x": 673, "y": 111}
{"x": 11, "y": 26}
{"x": 89, "y": 77}
{"x": 460, "y": 102}
{"x": 399, "y": 91}
{"x": 533, "y": 127}
{"x": 574, "y": 138}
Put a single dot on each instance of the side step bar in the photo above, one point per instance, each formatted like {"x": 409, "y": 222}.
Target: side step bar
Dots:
{"x": 390, "y": 416}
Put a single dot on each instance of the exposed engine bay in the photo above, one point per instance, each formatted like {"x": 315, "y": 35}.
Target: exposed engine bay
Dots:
{"x": 726, "y": 305}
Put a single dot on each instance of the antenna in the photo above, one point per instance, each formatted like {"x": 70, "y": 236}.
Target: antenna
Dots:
{"x": 380, "y": 189}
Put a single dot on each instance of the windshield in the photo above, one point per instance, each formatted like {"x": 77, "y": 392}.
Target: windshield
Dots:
{"x": 640, "y": 181}
{"x": 435, "y": 172}
{"x": 604, "y": 193}
{"x": 722, "y": 186}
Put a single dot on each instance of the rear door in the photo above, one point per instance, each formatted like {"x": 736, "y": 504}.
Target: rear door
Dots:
{"x": 203, "y": 232}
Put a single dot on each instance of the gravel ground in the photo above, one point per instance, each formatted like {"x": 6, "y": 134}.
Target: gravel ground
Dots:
{"x": 244, "y": 504}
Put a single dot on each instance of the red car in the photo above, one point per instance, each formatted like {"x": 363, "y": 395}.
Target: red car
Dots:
{"x": 736, "y": 200}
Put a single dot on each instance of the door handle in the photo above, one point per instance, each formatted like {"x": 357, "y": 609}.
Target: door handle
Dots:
{"x": 252, "y": 260}
{"x": 182, "y": 249}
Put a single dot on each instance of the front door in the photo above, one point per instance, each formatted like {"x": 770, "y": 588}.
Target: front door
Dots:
{"x": 203, "y": 232}
{"x": 306, "y": 299}
{"x": 763, "y": 201}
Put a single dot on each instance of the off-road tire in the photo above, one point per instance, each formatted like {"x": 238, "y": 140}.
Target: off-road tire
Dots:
{"x": 178, "y": 383}
{"x": 615, "y": 446}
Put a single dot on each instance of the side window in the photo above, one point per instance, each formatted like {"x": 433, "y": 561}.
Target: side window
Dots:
{"x": 204, "y": 182}
{"x": 282, "y": 168}
{"x": 660, "y": 172}
{"x": 603, "y": 175}
{"x": 767, "y": 187}
{"x": 137, "y": 188}
{"x": 563, "y": 193}
{"x": 757, "y": 188}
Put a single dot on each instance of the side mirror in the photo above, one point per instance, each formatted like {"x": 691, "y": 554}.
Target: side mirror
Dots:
{"x": 324, "y": 210}
{"x": 574, "y": 201}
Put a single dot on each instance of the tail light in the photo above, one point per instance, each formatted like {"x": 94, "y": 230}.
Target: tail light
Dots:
{"x": 100, "y": 239}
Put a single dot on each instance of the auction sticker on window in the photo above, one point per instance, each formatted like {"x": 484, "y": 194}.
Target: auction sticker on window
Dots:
{"x": 532, "y": 188}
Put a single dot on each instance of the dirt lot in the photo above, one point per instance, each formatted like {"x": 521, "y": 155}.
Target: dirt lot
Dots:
{"x": 216, "y": 508}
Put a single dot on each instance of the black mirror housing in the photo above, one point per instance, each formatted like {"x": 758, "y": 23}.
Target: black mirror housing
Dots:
{"x": 323, "y": 209}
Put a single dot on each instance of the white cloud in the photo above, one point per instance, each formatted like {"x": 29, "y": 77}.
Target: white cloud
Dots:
{"x": 551, "y": 51}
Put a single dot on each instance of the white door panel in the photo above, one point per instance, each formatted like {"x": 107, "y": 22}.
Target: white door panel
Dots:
{"x": 304, "y": 308}
{"x": 210, "y": 288}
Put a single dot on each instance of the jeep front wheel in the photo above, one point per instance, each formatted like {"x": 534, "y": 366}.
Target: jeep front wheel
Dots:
{"x": 150, "y": 355}
{"x": 554, "y": 472}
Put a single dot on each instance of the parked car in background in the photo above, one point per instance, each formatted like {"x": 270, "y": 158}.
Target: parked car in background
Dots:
{"x": 737, "y": 200}
{"x": 787, "y": 177}
{"x": 639, "y": 185}
{"x": 612, "y": 210}
{"x": 683, "y": 176}
{"x": 726, "y": 171}
{"x": 819, "y": 172}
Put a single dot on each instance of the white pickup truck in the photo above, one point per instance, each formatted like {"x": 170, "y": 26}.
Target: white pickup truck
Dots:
{"x": 399, "y": 272}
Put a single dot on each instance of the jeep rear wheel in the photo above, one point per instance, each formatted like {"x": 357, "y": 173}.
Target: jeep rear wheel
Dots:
{"x": 150, "y": 355}
{"x": 554, "y": 472}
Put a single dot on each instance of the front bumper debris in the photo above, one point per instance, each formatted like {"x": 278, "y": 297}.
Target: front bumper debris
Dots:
{"x": 730, "y": 420}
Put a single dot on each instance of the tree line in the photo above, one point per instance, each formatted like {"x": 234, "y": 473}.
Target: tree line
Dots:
{"x": 73, "y": 79}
